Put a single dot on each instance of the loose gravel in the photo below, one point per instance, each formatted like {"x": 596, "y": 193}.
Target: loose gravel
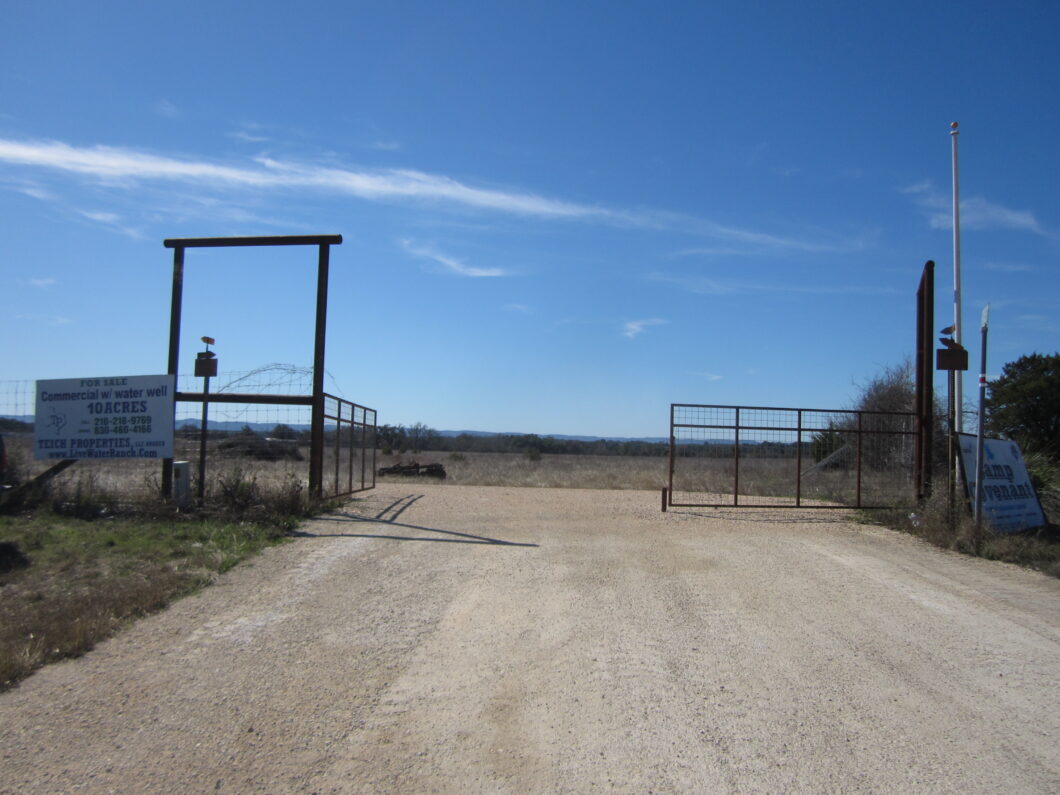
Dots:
{"x": 471, "y": 639}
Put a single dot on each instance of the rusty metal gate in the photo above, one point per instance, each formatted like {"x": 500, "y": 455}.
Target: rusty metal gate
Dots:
{"x": 746, "y": 456}
{"x": 349, "y": 447}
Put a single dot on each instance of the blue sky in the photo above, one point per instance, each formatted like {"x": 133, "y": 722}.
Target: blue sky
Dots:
{"x": 557, "y": 217}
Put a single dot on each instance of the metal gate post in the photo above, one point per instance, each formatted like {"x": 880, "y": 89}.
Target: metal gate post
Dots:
{"x": 857, "y": 501}
{"x": 316, "y": 452}
{"x": 670, "y": 477}
{"x": 925, "y": 385}
{"x": 736, "y": 462}
{"x": 174, "y": 352}
{"x": 364, "y": 445}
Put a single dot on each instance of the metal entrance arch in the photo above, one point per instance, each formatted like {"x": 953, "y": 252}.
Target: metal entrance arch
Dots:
{"x": 750, "y": 456}
{"x": 316, "y": 399}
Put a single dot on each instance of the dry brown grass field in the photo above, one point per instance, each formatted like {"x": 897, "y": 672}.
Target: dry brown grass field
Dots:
{"x": 132, "y": 481}
{"x": 695, "y": 479}
{"x": 545, "y": 471}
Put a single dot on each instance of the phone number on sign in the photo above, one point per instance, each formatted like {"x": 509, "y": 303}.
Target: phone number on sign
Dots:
{"x": 121, "y": 425}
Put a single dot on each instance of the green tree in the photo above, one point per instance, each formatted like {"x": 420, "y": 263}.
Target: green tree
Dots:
{"x": 420, "y": 437}
{"x": 282, "y": 431}
{"x": 825, "y": 443}
{"x": 1024, "y": 404}
{"x": 390, "y": 437}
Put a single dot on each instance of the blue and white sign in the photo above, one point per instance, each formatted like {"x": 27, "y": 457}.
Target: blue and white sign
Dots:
{"x": 129, "y": 416}
{"x": 1010, "y": 503}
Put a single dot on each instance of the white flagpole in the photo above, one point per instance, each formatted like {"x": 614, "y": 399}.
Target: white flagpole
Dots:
{"x": 958, "y": 397}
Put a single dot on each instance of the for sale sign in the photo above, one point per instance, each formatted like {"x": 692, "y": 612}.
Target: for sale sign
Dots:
{"x": 118, "y": 417}
{"x": 1010, "y": 503}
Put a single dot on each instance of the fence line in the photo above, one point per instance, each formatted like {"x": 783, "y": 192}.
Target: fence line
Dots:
{"x": 267, "y": 441}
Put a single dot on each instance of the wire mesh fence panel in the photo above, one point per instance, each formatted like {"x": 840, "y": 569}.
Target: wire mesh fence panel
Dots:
{"x": 269, "y": 380}
{"x": 349, "y": 447}
{"x": 18, "y": 403}
{"x": 758, "y": 456}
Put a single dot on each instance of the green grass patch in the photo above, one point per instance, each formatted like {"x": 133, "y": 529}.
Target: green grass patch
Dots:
{"x": 67, "y": 583}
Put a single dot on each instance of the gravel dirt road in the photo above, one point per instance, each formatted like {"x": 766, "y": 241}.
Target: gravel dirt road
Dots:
{"x": 470, "y": 639}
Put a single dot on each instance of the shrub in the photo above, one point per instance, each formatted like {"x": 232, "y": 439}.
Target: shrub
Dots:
{"x": 249, "y": 444}
{"x": 239, "y": 490}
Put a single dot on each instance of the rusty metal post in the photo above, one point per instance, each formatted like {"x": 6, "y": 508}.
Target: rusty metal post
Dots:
{"x": 364, "y": 444}
{"x": 375, "y": 428}
{"x": 951, "y": 446}
{"x": 338, "y": 446}
{"x": 664, "y": 499}
{"x": 925, "y": 384}
{"x": 857, "y": 500}
{"x": 204, "y": 435}
{"x": 316, "y": 451}
{"x": 673, "y": 452}
{"x": 174, "y": 352}
{"x": 736, "y": 462}
{"x": 798, "y": 462}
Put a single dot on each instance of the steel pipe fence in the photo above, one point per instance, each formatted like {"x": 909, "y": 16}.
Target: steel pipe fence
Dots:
{"x": 746, "y": 456}
{"x": 349, "y": 447}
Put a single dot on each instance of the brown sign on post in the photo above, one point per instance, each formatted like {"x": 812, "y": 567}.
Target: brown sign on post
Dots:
{"x": 205, "y": 364}
{"x": 952, "y": 357}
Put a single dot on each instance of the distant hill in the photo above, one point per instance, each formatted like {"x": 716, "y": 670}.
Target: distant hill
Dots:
{"x": 265, "y": 427}
{"x": 563, "y": 437}
{"x": 559, "y": 436}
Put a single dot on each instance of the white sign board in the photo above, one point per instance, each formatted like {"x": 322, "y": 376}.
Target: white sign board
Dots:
{"x": 1010, "y": 503}
{"x": 122, "y": 417}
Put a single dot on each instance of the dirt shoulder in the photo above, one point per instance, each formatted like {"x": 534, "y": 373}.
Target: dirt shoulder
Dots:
{"x": 454, "y": 639}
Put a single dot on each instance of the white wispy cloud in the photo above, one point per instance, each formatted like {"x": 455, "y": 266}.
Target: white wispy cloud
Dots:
{"x": 976, "y": 212}
{"x": 1043, "y": 324}
{"x": 166, "y": 109}
{"x": 125, "y": 168}
{"x": 631, "y": 328}
{"x": 744, "y": 238}
{"x": 521, "y": 308}
{"x": 105, "y": 162}
{"x": 49, "y": 281}
{"x": 102, "y": 217}
{"x": 714, "y": 251}
{"x": 243, "y": 135}
{"x": 705, "y": 285}
{"x": 36, "y": 192}
{"x": 1009, "y": 267}
{"x": 710, "y": 376}
{"x": 111, "y": 220}
{"x": 451, "y": 263}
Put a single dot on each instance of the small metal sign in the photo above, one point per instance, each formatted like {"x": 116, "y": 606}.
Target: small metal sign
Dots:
{"x": 205, "y": 364}
{"x": 951, "y": 359}
{"x": 952, "y": 356}
{"x": 112, "y": 417}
